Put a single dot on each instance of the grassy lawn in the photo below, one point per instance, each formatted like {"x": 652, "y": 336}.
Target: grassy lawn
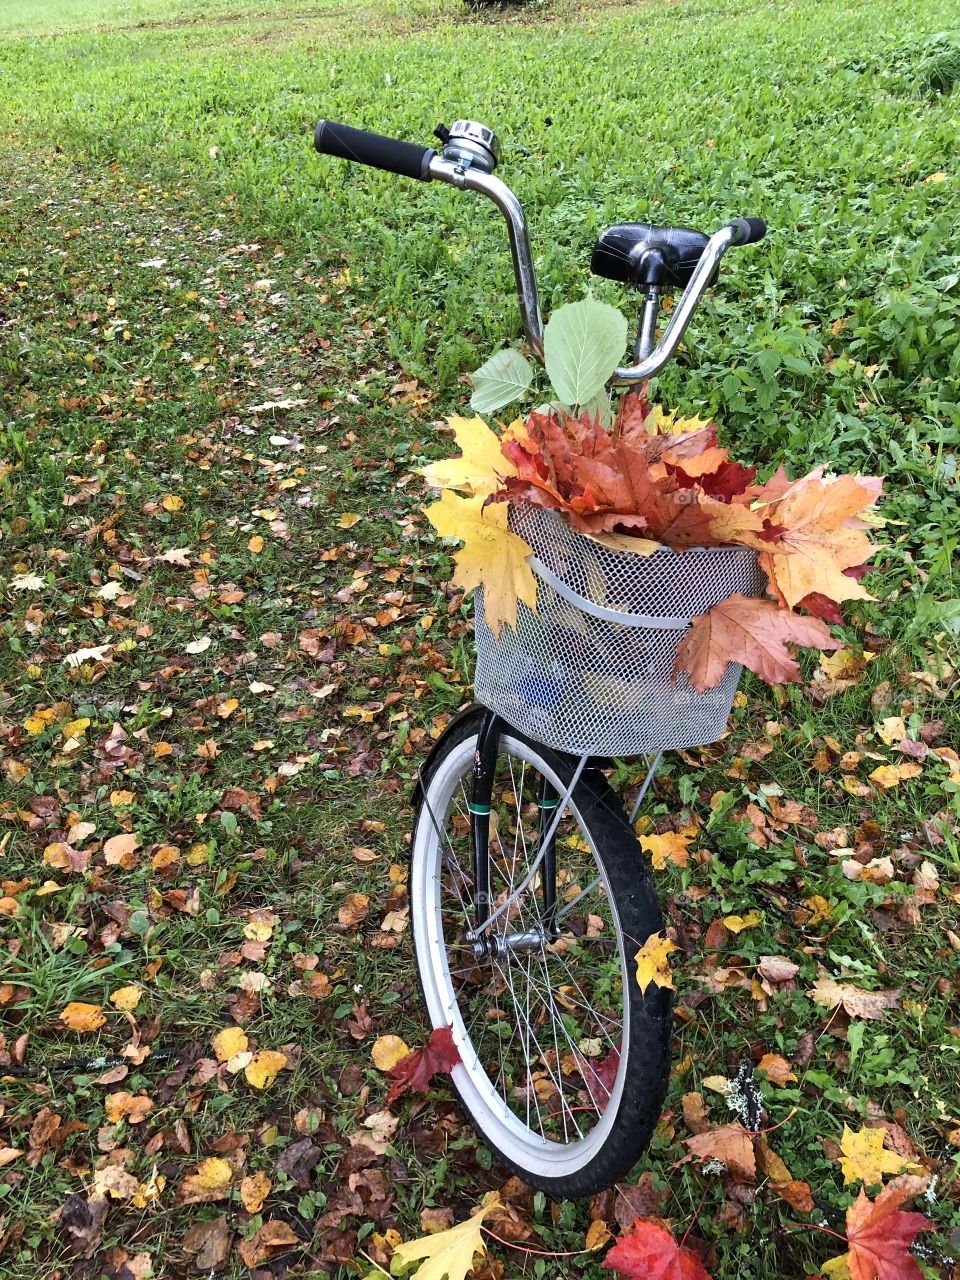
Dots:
{"x": 226, "y": 638}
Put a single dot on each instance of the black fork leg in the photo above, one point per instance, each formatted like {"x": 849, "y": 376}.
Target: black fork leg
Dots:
{"x": 484, "y": 770}
{"x": 548, "y": 808}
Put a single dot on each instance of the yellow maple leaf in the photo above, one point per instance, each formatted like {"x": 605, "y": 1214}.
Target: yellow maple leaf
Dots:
{"x": 652, "y": 962}
{"x": 227, "y": 1043}
{"x": 387, "y": 1052}
{"x": 262, "y": 1070}
{"x": 865, "y": 1160}
{"x": 82, "y": 1017}
{"x": 481, "y": 465}
{"x": 491, "y": 557}
{"x": 448, "y": 1253}
{"x": 669, "y": 847}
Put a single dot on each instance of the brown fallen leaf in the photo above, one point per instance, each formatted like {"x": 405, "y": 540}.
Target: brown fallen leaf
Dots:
{"x": 254, "y": 1190}
{"x": 354, "y": 910}
{"x": 731, "y": 1144}
{"x": 272, "y": 1236}
{"x": 858, "y": 1003}
{"x": 208, "y": 1244}
{"x": 776, "y": 1069}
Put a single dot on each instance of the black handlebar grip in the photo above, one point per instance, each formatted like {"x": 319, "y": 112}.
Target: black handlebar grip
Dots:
{"x": 405, "y": 158}
{"x": 751, "y": 229}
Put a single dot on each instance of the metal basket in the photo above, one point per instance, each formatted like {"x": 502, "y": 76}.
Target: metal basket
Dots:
{"x": 590, "y": 672}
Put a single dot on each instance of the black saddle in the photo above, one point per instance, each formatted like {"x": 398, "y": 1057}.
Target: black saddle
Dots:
{"x": 645, "y": 256}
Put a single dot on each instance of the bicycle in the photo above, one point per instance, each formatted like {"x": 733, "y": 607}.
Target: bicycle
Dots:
{"x": 529, "y": 891}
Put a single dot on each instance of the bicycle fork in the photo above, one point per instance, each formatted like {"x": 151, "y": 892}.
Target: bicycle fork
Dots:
{"x": 484, "y": 777}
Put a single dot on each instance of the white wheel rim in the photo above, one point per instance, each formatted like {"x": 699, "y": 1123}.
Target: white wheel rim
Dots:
{"x": 493, "y": 1117}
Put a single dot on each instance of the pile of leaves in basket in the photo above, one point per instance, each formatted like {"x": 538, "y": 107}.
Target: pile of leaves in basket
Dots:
{"x": 641, "y": 480}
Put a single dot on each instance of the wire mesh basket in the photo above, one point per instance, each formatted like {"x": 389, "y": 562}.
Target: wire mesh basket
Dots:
{"x": 590, "y": 672}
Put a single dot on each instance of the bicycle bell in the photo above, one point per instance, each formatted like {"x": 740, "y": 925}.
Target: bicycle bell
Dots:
{"x": 471, "y": 144}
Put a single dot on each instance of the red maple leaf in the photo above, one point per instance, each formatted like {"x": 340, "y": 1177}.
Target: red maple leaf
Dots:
{"x": 878, "y": 1233}
{"x": 413, "y": 1072}
{"x": 649, "y": 1252}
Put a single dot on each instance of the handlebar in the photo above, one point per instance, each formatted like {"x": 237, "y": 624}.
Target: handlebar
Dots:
{"x": 346, "y": 143}
{"x": 423, "y": 163}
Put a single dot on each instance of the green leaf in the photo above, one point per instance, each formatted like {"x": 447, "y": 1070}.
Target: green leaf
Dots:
{"x": 583, "y": 342}
{"x": 504, "y": 377}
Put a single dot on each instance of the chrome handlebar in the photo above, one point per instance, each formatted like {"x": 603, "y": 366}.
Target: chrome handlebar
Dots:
{"x": 470, "y": 154}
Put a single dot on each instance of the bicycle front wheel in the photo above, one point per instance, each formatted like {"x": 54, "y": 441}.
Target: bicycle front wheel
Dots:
{"x": 564, "y": 1060}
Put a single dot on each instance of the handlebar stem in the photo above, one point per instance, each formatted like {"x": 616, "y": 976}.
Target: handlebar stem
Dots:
{"x": 467, "y": 178}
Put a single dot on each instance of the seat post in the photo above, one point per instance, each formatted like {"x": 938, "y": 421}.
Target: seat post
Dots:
{"x": 647, "y": 333}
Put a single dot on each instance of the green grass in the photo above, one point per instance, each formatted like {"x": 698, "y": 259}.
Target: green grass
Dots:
{"x": 290, "y": 277}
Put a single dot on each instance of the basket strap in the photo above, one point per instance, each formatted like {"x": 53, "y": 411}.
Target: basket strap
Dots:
{"x": 600, "y": 611}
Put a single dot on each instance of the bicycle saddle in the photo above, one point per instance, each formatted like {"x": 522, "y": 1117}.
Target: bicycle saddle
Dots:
{"x": 646, "y": 256}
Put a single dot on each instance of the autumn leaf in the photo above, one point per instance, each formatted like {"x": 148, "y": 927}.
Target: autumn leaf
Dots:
{"x": 126, "y": 999}
{"x": 649, "y": 1252}
{"x": 731, "y": 1144}
{"x": 752, "y": 632}
{"x": 669, "y": 847}
{"x": 387, "y": 1051}
{"x": 776, "y": 1069}
{"x": 253, "y": 1191}
{"x": 229, "y": 1042}
{"x": 211, "y": 1180}
{"x": 820, "y": 538}
{"x": 82, "y": 1017}
{"x": 879, "y": 1234}
{"x": 491, "y": 557}
{"x": 481, "y": 465}
{"x": 264, "y": 1068}
{"x": 857, "y": 1002}
{"x": 127, "y": 1106}
{"x": 865, "y": 1160}
{"x": 652, "y": 963}
{"x": 888, "y": 776}
{"x": 414, "y": 1072}
{"x": 448, "y": 1253}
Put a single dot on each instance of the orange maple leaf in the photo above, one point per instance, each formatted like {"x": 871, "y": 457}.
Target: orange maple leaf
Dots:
{"x": 752, "y": 632}
{"x": 821, "y": 536}
{"x": 878, "y": 1233}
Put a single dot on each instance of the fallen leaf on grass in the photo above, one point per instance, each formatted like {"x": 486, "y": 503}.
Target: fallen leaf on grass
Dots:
{"x": 737, "y": 924}
{"x": 253, "y": 1191}
{"x": 652, "y": 962}
{"x": 211, "y": 1180}
{"x": 387, "y": 1051}
{"x": 353, "y": 910}
{"x": 127, "y": 1106}
{"x": 865, "y": 1160}
{"x": 879, "y": 1234}
{"x": 272, "y": 1236}
{"x": 649, "y": 1252}
{"x": 414, "y": 1072}
{"x": 229, "y": 1042}
{"x": 731, "y": 1144}
{"x": 198, "y": 646}
{"x": 776, "y": 1069}
{"x": 80, "y": 656}
{"x": 264, "y": 1068}
{"x": 208, "y": 1243}
{"x": 858, "y": 1003}
{"x": 669, "y": 847}
{"x": 82, "y": 1017}
{"x": 448, "y": 1253}
{"x": 888, "y": 776}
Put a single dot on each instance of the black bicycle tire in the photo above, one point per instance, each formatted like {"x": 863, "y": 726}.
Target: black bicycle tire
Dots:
{"x": 648, "y": 1054}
